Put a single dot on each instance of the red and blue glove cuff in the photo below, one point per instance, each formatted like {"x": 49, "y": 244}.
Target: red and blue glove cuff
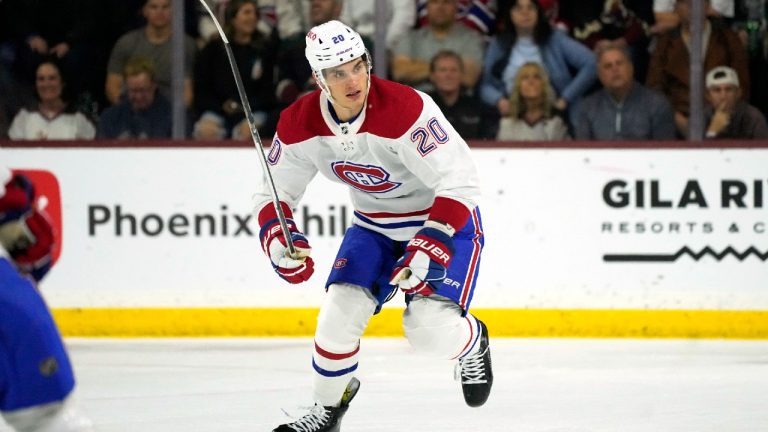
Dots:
{"x": 436, "y": 244}
{"x": 449, "y": 211}
{"x": 272, "y": 230}
{"x": 268, "y": 212}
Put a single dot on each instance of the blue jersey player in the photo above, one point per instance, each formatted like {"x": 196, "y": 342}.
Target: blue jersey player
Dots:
{"x": 36, "y": 381}
{"x": 416, "y": 226}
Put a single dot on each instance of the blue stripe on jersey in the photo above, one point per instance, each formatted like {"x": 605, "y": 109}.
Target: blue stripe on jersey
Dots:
{"x": 416, "y": 223}
{"x": 331, "y": 374}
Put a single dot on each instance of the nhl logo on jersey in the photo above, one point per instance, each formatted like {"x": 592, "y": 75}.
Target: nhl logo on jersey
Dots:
{"x": 367, "y": 178}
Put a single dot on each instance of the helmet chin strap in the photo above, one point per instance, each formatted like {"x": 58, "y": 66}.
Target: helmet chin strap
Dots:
{"x": 323, "y": 85}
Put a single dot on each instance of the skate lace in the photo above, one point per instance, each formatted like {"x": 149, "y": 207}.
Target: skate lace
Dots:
{"x": 316, "y": 418}
{"x": 471, "y": 369}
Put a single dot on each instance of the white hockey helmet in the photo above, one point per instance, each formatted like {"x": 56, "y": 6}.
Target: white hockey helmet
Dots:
{"x": 332, "y": 44}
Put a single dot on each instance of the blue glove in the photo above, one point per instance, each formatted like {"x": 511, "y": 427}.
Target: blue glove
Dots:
{"x": 425, "y": 263}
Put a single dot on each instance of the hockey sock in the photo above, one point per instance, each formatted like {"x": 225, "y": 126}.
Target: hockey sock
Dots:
{"x": 340, "y": 325}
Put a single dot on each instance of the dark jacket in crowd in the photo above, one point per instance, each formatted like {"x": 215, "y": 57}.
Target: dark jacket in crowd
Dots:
{"x": 122, "y": 122}
{"x": 644, "y": 114}
{"x": 471, "y": 118}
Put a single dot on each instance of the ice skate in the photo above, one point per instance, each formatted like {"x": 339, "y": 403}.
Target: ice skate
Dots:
{"x": 474, "y": 372}
{"x": 323, "y": 418}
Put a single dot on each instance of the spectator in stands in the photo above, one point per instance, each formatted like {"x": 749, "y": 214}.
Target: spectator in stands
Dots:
{"x": 595, "y": 21}
{"x": 478, "y": 15}
{"x": 52, "y": 118}
{"x": 12, "y": 98}
{"x": 551, "y": 10}
{"x": 114, "y": 18}
{"x": 289, "y": 18}
{"x": 267, "y": 24}
{"x": 532, "y": 116}
{"x": 217, "y": 100}
{"x": 470, "y": 117}
{"x": 144, "y": 113}
{"x": 667, "y": 19}
{"x": 664, "y": 16}
{"x": 598, "y": 22}
{"x": 751, "y": 24}
{"x": 728, "y": 116}
{"x": 528, "y": 36}
{"x": 9, "y": 42}
{"x": 13, "y": 95}
{"x": 623, "y": 109}
{"x": 669, "y": 73}
{"x": 413, "y": 52}
{"x": 61, "y": 29}
{"x": 361, "y": 15}
{"x": 153, "y": 41}
{"x": 295, "y": 76}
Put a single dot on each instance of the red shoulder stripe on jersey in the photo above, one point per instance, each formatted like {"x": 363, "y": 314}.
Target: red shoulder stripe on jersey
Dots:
{"x": 302, "y": 120}
{"x": 268, "y": 212}
{"x": 449, "y": 211}
{"x": 393, "y": 108}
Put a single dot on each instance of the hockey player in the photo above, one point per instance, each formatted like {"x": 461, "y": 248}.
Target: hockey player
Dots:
{"x": 36, "y": 381}
{"x": 417, "y": 227}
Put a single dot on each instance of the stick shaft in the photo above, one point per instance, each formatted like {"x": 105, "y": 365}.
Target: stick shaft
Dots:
{"x": 254, "y": 133}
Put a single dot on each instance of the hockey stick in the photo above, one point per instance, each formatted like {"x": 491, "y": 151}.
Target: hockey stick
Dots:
{"x": 255, "y": 135}
{"x": 403, "y": 274}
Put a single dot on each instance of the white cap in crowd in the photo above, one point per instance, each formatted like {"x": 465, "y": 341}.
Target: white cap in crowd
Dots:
{"x": 722, "y": 75}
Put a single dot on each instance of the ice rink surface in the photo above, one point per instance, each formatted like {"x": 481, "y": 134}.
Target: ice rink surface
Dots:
{"x": 541, "y": 385}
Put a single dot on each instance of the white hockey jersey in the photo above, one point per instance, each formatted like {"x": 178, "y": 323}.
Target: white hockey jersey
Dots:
{"x": 402, "y": 160}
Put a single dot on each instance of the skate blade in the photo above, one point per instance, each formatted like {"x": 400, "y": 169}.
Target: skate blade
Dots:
{"x": 350, "y": 391}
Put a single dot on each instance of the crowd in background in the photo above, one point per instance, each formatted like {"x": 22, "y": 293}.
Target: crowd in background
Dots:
{"x": 499, "y": 69}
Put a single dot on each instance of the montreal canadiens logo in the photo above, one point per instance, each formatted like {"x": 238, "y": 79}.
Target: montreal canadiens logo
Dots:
{"x": 367, "y": 178}
{"x": 275, "y": 151}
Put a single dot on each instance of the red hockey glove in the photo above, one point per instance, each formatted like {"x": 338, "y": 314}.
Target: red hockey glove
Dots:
{"x": 425, "y": 263}
{"x": 17, "y": 199}
{"x": 296, "y": 268}
{"x": 29, "y": 242}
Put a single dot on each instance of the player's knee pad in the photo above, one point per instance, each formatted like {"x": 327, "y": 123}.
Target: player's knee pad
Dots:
{"x": 343, "y": 317}
{"x": 434, "y": 326}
